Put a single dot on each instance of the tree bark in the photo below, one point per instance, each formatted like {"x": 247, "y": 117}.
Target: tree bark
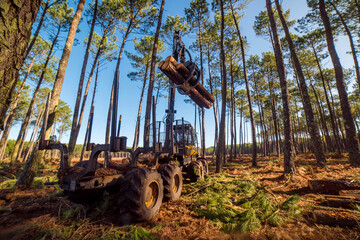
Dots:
{"x": 36, "y": 34}
{"x": 152, "y": 77}
{"x": 29, "y": 172}
{"x": 309, "y": 113}
{"x": 16, "y": 19}
{"x": 220, "y": 155}
{"x": 289, "y": 151}
{"x": 351, "y": 137}
{"x": 74, "y": 132}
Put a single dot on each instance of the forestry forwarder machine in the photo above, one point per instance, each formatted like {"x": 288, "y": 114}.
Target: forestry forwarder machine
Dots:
{"x": 140, "y": 185}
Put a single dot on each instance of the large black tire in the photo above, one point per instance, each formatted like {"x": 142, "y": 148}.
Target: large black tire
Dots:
{"x": 205, "y": 166}
{"x": 195, "y": 171}
{"x": 140, "y": 195}
{"x": 173, "y": 181}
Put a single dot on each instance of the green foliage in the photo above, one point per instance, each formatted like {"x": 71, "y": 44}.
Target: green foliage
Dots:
{"x": 235, "y": 204}
{"x": 72, "y": 212}
{"x": 356, "y": 207}
{"x": 291, "y": 206}
{"x": 137, "y": 233}
{"x": 9, "y": 183}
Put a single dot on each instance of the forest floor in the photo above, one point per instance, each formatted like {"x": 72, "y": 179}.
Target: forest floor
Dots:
{"x": 241, "y": 203}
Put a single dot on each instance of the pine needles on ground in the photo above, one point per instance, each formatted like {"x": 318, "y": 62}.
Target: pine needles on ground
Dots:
{"x": 235, "y": 204}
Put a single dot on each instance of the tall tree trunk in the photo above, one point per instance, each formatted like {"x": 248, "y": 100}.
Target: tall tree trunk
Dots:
{"x": 16, "y": 19}
{"x": 128, "y": 31}
{"x": 220, "y": 155}
{"x": 289, "y": 151}
{"x": 252, "y": 120}
{"x": 73, "y": 132}
{"x": 96, "y": 60}
{"x": 322, "y": 118}
{"x": 33, "y": 136}
{"x": 309, "y": 113}
{"x": 331, "y": 112}
{"x": 29, "y": 172}
{"x": 231, "y": 114}
{"x": 26, "y": 121}
{"x": 137, "y": 127}
{"x": 352, "y": 139}
{"x": 214, "y": 107}
{"x": 90, "y": 113}
{"x": 202, "y": 82}
{"x": 274, "y": 117}
{"x": 152, "y": 77}
{"x": 351, "y": 40}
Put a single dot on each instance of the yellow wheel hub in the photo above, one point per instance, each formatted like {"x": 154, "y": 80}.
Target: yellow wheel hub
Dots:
{"x": 176, "y": 183}
{"x": 151, "y": 194}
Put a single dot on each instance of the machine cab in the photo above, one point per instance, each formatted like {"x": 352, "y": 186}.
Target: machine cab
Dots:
{"x": 185, "y": 138}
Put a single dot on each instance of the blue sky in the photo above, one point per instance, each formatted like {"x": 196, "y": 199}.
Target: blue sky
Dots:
{"x": 129, "y": 92}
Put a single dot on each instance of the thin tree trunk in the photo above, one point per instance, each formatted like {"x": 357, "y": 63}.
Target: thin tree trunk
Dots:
{"x": 252, "y": 119}
{"x": 309, "y": 114}
{"x": 289, "y": 151}
{"x": 18, "y": 94}
{"x": 29, "y": 172}
{"x": 74, "y": 132}
{"x": 231, "y": 117}
{"x": 91, "y": 111}
{"x": 202, "y": 82}
{"x": 128, "y": 31}
{"x": 322, "y": 118}
{"x": 331, "y": 112}
{"x": 351, "y": 40}
{"x": 214, "y": 107}
{"x": 36, "y": 34}
{"x": 352, "y": 139}
{"x": 220, "y": 155}
{"x": 152, "y": 77}
{"x": 33, "y": 136}
{"x": 26, "y": 121}
{"x": 137, "y": 127}
{"x": 5, "y": 136}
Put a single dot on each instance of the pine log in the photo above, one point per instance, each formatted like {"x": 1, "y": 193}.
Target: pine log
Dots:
{"x": 332, "y": 186}
{"x": 170, "y": 71}
{"x": 185, "y": 72}
{"x": 336, "y": 217}
{"x": 340, "y": 203}
{"x": 350, "y": 193}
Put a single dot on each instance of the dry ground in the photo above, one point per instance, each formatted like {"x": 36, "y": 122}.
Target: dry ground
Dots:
{"x": 42, "y": 212}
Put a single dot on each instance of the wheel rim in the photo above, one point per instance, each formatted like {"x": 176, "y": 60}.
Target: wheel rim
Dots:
{"x": 176, "y": 183}
{"x": 152, "y": 194}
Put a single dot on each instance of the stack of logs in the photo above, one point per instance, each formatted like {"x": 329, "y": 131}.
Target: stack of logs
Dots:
{"x": 339, "y": 208}
{"x": 178, "y": 73}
